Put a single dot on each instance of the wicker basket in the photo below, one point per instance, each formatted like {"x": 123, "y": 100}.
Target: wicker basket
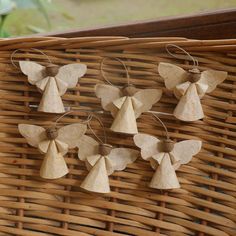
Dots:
{"x": 205, "y": 205}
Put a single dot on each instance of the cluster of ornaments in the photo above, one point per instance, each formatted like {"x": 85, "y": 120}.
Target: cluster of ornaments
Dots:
{"x": 125, "y": 105}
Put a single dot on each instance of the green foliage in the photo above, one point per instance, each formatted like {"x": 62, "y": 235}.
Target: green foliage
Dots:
{"x": 27, "y": 18}
{"x": 7, "y": 6}
{"x": 3, "y": 33}
{"x": 41, "y": 5}
{"x": 35, "y": 29}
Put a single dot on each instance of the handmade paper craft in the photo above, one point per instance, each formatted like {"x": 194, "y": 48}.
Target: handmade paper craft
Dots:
{"x": 126, "y": 104}
{"x": 52, "y": 81}
{"x": 54, "y": 143}
{"x": 101, "y": 161}
{"x": 166, "y": 157}
{"x": 189, "y": 87}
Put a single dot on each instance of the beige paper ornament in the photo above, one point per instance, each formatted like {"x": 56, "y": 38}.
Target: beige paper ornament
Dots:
{"x": 165, "y": 157}
{"x": 101, "y": 161}
{"x": 166, "y": 162}
{"x": 189, "y": 87}
{"x": 52, "y": 81}
{"x": 54, "y": 144}
{"x": 126, "y": 105}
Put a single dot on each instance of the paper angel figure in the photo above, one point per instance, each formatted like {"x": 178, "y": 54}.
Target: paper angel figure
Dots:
{"x": 166, "y": 157}
{"x": 52, "y": 81}
{"x": 126, "y": 104}
{"x": 101, "y": 161}
{"x": 54, "y": 143}
{"x": 189, "y": 87}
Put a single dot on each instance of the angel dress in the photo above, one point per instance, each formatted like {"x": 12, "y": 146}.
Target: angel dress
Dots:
{"x": 126, "y": 105}
{"x": 54, "y": 144}
{"x": 189, "y": 87}
{"x": 52, "y": 81}
{"x": 101, "y": 161}
{"x": 166, "y": 157}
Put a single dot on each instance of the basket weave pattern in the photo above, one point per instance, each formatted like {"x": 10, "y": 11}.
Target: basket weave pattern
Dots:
{"x": 205, "y": 204}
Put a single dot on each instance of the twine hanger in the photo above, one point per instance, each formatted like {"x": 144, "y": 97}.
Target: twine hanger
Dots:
{"x": 121, "y": 62}
{"x": 72, "y": 108}
{"x": 90, "y": 116}
{"x": 163, "y": 125}
{"x": 35, "y": 49}
{"x": 71, "y": 111}
{"x": 103, "y": 127}
{"x": 104, "y": 148}
{"x": 167, "y": 145}
{"x": 52, "y": 131}
{"x": 195, "y": 61}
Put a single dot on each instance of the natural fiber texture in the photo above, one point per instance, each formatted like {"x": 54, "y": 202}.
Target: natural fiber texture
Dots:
{"x": 189, "y": 87}
{"x": 54, "y": 144}
{"x": 165, "y": 160}
{"x": 126, "y": 105}
{"x": 101, "y": 161}
{"x": 53, "y": 82}
{"x": 205, "y": 203}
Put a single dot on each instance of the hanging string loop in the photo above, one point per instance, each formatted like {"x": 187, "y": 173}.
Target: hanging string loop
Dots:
{"x": 166, "y": 145}
{"x": 121, "y": 62}
{"x": 195, "y": 61}
{"x": 35, "y": 49}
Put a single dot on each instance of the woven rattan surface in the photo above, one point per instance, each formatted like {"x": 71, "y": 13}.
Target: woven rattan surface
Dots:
{"x": 205, "y": 204}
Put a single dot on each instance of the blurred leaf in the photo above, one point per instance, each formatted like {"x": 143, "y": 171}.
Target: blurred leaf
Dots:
{"x": 24, "y": 4}
{"x": 6, "y": 6}
{"x": 41, "y": 5}
{"x": 4, "y": 34}
{"x": 68, "y": 16}
{"x": 2, "y": 21}
{"x": 35, "y": 29}
{"x": 28, "y": 3}
{"x": 43, "y": 10}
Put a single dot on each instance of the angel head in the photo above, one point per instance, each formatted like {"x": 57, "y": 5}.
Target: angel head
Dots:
{"x": 101, "y": 160}
{"x": 126, "y": 104}
{"x": 165, "y": 157}
{"x": 53, "y": 143}
{"x": 189, "y": 87}
{"x": 52, "y": 81}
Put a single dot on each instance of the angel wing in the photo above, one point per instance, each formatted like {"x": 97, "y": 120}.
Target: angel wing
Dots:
{"x": 148, "y": 145}
{"x": 33, "y": 70}
{"x": 119, "y": 158}
{"x": 71, "y": 73}
{"x": 87, "y": 147}
{"x": 212, "y": 78}
{"x": 32, "y": 133}
{"x": 108, "y": 94}
{"x": 185, "y": 150}
{"x": 70, "y": 134}
{"x": 172, "y": 74}
{"x": 147, "y": 97}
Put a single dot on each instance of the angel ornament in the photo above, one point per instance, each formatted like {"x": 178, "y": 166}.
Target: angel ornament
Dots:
{"x": 126, "y": 104}
{"x": 52, "y": 81}
{"x": 54, "y": 143}
{"x": 101, "y": 160}
{"x": 165, "y": 158}
{"x": 189, "y": 87}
